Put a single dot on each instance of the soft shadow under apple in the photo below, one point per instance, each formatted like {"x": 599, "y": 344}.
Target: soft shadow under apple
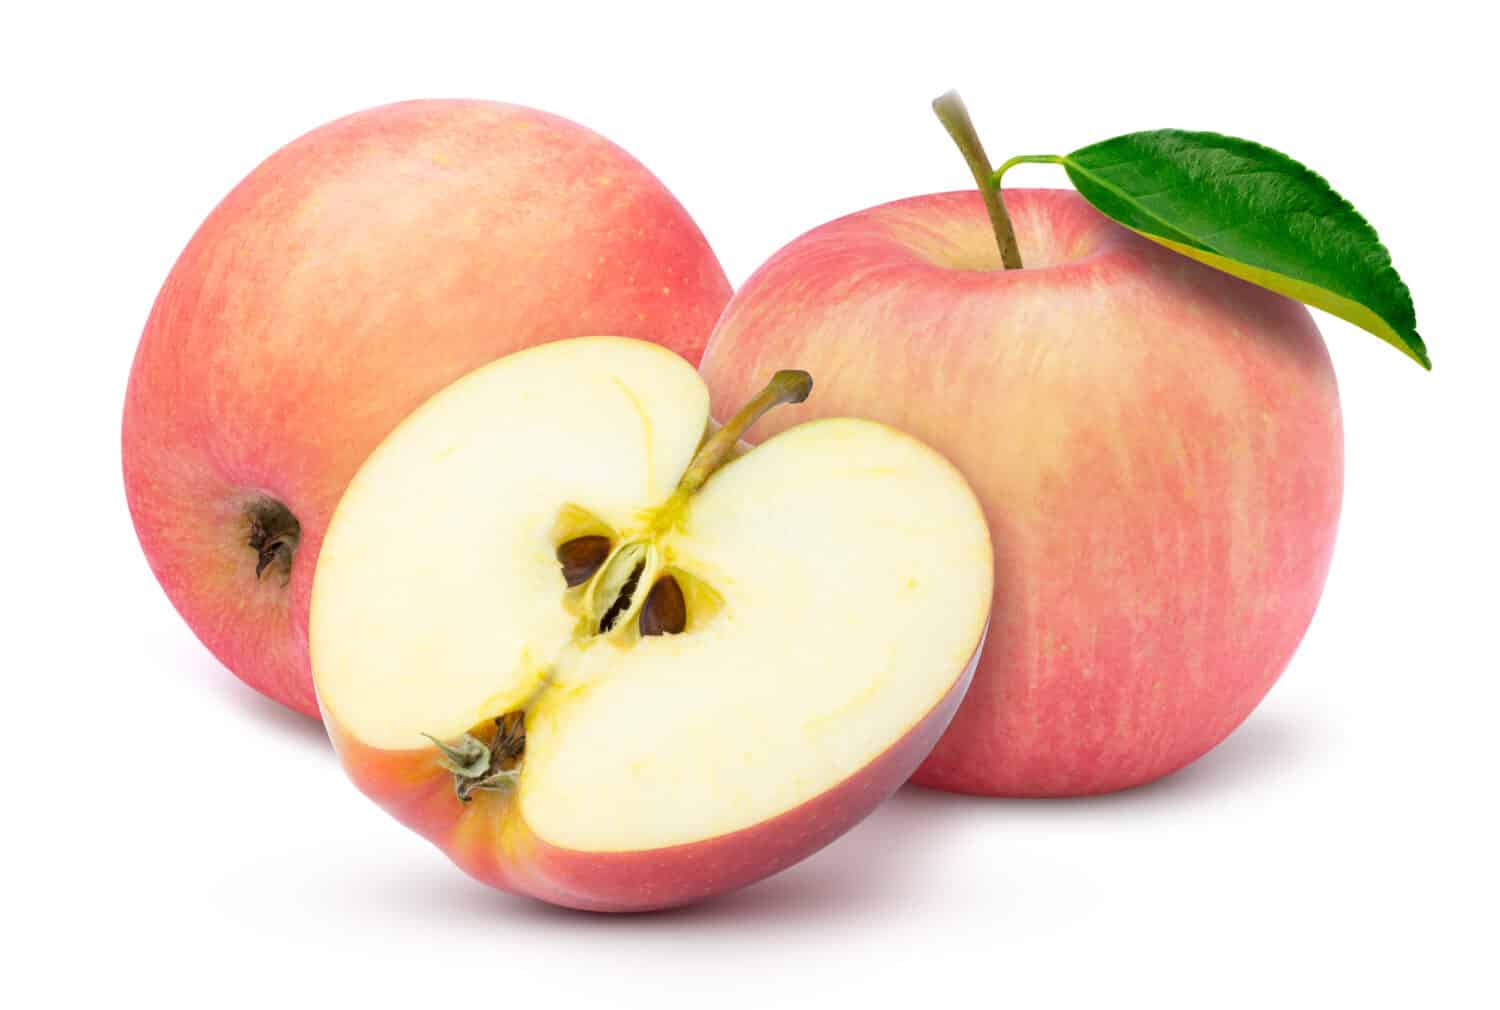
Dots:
{"x": 883, "y": 865}
{"x": 275, "y": 720}
{"x": 886, "y": 864}
{"x": 1268, "y": 746}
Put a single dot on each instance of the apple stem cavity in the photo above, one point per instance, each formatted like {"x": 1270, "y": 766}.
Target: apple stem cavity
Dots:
{"x": 273, "y": 534}
{"x": 954, "y": 116}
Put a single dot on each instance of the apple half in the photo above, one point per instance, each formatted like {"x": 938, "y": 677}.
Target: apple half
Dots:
{"x": 601, "y": 655}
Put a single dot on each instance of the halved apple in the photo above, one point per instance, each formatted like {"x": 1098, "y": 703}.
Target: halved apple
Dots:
{"x": 602, "y": 656}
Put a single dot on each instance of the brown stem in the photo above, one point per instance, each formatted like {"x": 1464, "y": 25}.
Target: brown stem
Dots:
{"x": 955, "y": 119}
{"x": 784, "y": 387}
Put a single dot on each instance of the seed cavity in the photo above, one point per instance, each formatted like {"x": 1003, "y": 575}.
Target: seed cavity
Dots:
{"x": 623, "y": 586}
{"x": 622, "y": 601}
{"x": 581, "y": 557}
{"x": 665, "y": 609}
{"x": 617, "y": 591}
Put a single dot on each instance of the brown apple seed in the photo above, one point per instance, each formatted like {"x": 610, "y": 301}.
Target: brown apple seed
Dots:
{"x": 581, "y": 557}
{"x": 665, "y": 611}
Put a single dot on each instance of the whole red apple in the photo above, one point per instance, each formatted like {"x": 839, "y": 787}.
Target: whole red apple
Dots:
{"x": 1157, "y": 446}
{"x": 350, "y": 276}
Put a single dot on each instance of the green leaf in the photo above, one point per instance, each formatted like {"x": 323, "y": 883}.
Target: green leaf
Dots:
{"x": 1252, "y": 212}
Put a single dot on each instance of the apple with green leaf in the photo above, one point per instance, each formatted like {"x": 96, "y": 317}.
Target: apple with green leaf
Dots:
{"x": 1151, "y": 422}
{"x": 580, "y": 640}
{"x": 354, "y": 273}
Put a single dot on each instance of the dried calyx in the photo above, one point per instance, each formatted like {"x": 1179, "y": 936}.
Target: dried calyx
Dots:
{"x": 478, "y": 765}
{"x": 272, "y": 532}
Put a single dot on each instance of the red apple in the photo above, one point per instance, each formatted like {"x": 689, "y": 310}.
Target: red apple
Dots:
{"x": 618, "y": 665}
{"x": 1157, "y": 446}
{"x": 351, "y": 275}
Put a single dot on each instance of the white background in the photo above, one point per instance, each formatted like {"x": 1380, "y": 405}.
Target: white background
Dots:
{"x": 173, "y": 836}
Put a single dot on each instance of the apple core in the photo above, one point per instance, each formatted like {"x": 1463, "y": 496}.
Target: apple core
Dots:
{"x": 609, "y": 583}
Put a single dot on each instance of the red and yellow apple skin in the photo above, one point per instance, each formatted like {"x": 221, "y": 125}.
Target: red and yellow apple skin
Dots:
{"x": 354, "y": 273}
{"x": 1157, "y": 446}
{"x": 489, "y": 839}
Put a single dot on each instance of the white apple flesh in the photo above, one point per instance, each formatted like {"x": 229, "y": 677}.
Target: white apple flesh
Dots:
{"x": 836, "y": 584}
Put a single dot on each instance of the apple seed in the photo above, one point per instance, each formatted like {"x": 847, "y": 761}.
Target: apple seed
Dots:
{"x": 581, "y": 557}
{"x": 665, "y": 610}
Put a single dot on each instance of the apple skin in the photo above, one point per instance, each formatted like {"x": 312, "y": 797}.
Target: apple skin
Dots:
{"x": 490, "y": 840}
{"x": 1157, "y": 445}
{"x": 354, "y": 273}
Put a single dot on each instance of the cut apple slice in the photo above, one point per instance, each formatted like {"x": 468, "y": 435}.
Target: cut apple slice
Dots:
{"x": 557, "y": 633}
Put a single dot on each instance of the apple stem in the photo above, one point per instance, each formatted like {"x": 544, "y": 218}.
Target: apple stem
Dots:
{"x": 954, "y": 116}
{"x": 788, "y": 386}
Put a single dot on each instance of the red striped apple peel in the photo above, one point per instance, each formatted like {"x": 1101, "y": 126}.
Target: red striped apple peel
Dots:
{"x": 351, "y": 275}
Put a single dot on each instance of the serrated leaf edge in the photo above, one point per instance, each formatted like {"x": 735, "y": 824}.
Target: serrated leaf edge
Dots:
{"x": 1311, "y": 294}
